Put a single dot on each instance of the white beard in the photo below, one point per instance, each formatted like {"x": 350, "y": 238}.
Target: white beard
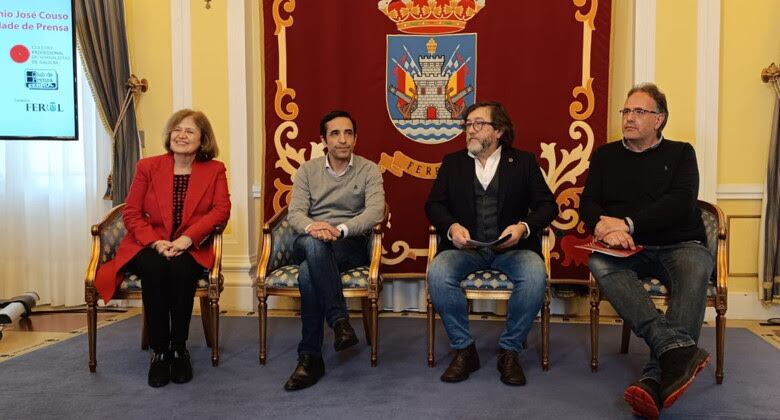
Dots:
{"x": 475, "y": 147}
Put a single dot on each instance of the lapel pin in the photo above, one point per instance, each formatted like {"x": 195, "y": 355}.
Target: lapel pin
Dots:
{"x": 511, "y": 160}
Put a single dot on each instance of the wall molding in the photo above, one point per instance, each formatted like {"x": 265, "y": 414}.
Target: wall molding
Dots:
{"x": 707, "y": 96}
{"x": 740, "y": 192}
{"x": 644, "y": 41}
{"x": 181, "y": 54}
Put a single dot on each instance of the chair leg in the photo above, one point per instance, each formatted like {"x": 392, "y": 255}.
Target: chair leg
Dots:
{"x": 594, "y": 331}
{"x": 262, "y": 310}
{"x": 546, "y": 331}
{"x": 205, "y": 319}
{"x": 625, "y": 337}
{"x": 92, "y": 331}
{"x": 214, "y": 320}
{"x": 720, "y": 336}
{"x": 366, "y": 306}
{"x": 431, "y": 333}
{"x": 144, "y": 331}
{"x": 374, "y": 331}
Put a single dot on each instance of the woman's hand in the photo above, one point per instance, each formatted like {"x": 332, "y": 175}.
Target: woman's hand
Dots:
{"x": 161, "y": 246}
{"x": 178, "y": 246}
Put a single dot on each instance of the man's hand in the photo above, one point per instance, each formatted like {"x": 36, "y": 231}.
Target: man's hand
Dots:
{"x": 517, "y": 231}
{"x": 460, "y": 235}
{"x": 324, "y": 231}
{"x": 619, "y": 239}
{"x": 607, "y": 225}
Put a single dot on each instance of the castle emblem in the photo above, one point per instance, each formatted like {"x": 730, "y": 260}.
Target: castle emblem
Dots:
{"x": 427, "y": 91}
{"x": 431, "y": 73}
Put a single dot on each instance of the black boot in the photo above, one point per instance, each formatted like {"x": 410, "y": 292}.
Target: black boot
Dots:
{"x": 181, "y": 367}
{"x": 309, "y": 370}
{"x": 160, "y": 369}
{"x": 344, "y": 335}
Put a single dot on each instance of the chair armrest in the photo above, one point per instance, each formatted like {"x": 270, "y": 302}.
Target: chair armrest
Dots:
{"x": 376, "y": 253}
{"x": 96, "y": 248}
{"x": 266, "y": 245}
{"x": 215, "y": 273}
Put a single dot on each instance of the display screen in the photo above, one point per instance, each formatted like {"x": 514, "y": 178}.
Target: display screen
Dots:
{"x": 37, "y": 70}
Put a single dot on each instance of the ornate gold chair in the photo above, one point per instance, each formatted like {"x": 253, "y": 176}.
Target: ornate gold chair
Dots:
{"x": 490, "y": 284}
{"x": 277, "y": 275}
{"x": 106, "y": 237}
{"x": 717, "y": 292}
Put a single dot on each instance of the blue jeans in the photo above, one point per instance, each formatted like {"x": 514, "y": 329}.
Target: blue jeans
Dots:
{"x": 320, "y": 265}
{"x": 524, "y": 268}
{"x": 685, "y": 270}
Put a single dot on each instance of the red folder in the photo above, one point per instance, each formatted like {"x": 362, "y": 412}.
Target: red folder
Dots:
{"x": 597, "y": 246}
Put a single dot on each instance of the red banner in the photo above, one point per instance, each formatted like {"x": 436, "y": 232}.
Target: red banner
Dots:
{"x": 406, "y": 69}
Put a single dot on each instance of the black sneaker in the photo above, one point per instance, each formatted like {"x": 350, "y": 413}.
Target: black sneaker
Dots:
{"x": 160, "y": 369}
{"x": 678, "y": 369}
{"x": 181, "y": 367}
{"x": 644, "y": 398}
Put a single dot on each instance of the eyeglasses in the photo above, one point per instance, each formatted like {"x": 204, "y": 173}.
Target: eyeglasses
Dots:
{"x": 187, "y": 131}
{"x": 636, "y": 111}
{"x": 477, "y": 125}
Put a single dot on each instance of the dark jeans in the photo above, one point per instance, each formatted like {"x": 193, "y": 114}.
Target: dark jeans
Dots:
{"x": 168, "y": 289}
{"x": 319, "y": 280}
{"x": 684, "y": 269}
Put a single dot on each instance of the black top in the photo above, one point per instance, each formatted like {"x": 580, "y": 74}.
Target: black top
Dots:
{"x": 656, "y": 188}
{"x": 523, "y": 195}
{"x": 180, "y": 184}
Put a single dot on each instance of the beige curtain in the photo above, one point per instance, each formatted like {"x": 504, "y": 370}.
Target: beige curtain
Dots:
{"x": 100, "y": 27}
{"x": 769, "y": 261}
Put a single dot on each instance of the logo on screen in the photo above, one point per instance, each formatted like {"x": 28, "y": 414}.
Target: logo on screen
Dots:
{"x": 19, "y": 53}
{"x": 38, "y": 107}
{"x": 41, "y": 80}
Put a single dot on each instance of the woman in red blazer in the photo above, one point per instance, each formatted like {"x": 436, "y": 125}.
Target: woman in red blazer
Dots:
{"x": 175, "y": 202}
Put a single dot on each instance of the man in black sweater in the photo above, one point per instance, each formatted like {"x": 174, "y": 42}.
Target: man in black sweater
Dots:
{"x": 642, "y": 190}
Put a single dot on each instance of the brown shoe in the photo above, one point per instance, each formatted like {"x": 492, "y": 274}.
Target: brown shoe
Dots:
{"x": 509, "y": 366}
{"x": 465, "y": 361}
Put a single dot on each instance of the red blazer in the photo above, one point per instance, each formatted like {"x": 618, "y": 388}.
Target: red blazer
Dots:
{"x": 148, "y": 214}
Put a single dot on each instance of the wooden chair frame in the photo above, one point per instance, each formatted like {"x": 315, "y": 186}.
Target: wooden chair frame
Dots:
{"x": 209, "y": 296}
{"x": 369, "y": 296}
{"x": 433, "y": 244}
{"x": 719, "y": 301}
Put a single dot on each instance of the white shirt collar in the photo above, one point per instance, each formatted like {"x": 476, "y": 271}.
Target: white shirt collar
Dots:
{"x": 332, "y": 172}
{"x": 486, "y": 173}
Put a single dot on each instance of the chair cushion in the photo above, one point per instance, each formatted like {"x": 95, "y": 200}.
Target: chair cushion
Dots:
{"x": 656, "y": 288}
{"x": 132, "y": 282}
{"x": 487, "y": 280}
{"x": 287, "y": 277}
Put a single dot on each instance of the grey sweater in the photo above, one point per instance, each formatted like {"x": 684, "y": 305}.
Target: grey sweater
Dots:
{"x": 356, "y": 198}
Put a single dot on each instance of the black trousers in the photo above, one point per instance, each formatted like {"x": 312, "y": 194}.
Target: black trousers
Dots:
{"x": 168, "y": 289}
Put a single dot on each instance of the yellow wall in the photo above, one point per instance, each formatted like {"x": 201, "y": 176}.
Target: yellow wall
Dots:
{"x": 750, "y": 40}
{"x": 149, "y": 40}
{"x": 675, "y": 68}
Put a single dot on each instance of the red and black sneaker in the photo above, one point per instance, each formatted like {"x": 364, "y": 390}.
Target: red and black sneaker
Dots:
{"x": 643, "y": 398}
{"x": 678, "y": 369}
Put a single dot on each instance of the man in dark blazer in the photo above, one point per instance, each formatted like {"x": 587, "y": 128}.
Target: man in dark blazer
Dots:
{"x": 486, "y": 192}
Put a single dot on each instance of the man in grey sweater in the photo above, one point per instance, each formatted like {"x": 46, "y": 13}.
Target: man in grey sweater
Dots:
{"x": 336, "y": 200}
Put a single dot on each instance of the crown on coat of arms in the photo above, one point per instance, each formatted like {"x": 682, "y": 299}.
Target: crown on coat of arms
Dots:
{"x": 430, "y": 16}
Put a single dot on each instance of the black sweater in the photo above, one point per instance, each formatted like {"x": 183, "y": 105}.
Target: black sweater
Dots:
{"x": 656, "y": 188}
